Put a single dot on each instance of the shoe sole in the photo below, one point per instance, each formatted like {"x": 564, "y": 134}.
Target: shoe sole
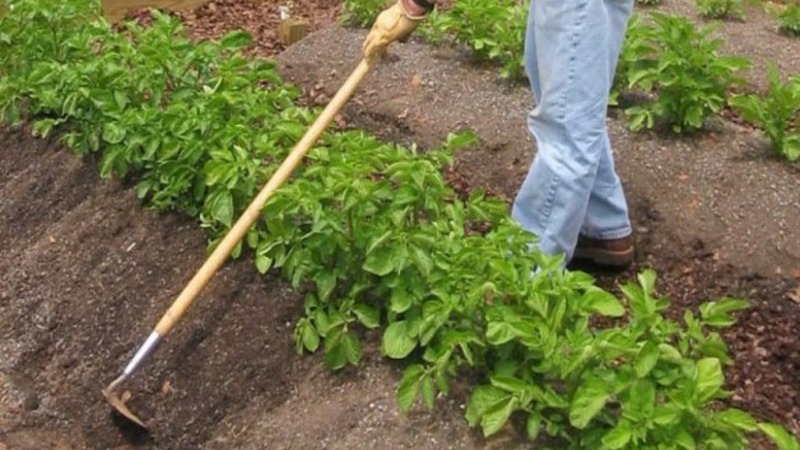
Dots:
{"x": 608, "y": 258}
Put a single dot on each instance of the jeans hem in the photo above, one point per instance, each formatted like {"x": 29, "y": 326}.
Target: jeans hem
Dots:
{"x": 609, "y": 234}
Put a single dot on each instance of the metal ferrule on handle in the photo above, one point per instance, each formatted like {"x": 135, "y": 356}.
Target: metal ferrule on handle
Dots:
{"x": 147, "y": 349}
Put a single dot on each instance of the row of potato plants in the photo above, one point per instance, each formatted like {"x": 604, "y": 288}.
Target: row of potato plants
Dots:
{"x": 376, "y": 238}
{"x": 712, "y": 9}
{"x": 670, "y": 69}
{"x": 682, "y": 64}
{"x": 787, "y": 15}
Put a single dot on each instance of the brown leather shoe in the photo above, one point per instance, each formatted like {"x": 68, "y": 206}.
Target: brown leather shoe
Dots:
{"x": 616, "y": 253}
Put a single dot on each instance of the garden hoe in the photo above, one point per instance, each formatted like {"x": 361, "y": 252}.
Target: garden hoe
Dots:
{"x": 229, "y": 242}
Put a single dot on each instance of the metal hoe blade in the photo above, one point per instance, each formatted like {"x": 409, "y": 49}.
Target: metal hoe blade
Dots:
{"x": 147, "y": 348}
{"x": 120, "y": 405}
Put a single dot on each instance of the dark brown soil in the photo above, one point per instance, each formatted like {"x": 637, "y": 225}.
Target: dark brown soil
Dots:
{"x": 86, "y": 271}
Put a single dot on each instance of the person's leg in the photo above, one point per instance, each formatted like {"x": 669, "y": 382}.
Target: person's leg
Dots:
{"x": 566, "y": 52}
{"x": 607, "y": 212}
{"x": 531, "y": 63}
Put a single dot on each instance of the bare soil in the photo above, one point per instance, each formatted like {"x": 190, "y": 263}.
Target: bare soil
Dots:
{"x": 86, "y": 271}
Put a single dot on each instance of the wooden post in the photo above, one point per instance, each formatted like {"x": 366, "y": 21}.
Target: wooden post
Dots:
{"x": 291, "y": 30}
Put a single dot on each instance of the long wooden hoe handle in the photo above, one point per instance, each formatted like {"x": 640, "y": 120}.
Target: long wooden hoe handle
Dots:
{"x": 253, "y": 211}
{"x": 235, "y": 235}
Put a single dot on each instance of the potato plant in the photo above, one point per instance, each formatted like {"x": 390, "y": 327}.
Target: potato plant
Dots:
{"x": 377, "y": 239}
{"x": 362, "y": 12}
{"x": 35, "y": 35}
{"x": 493, "y": 31}
{"x": 789, "y": 19}
{"x": 637, "y": 53}
{"x": 685, "y": 76}
{"x": 720, "y": 9}
{"x": 777, "y": 113}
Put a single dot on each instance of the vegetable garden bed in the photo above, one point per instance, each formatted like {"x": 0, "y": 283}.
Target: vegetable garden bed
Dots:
{"x": 226, "y": 380}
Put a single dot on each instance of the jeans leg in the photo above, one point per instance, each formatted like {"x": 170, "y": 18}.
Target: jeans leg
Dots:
{"x": 607, "y": 213}
{"x": 567, "y": 52}
{"x": 531, "y": 63}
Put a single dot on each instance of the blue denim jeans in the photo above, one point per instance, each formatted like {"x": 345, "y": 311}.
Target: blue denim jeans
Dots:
{"x": 571, "y": 52}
